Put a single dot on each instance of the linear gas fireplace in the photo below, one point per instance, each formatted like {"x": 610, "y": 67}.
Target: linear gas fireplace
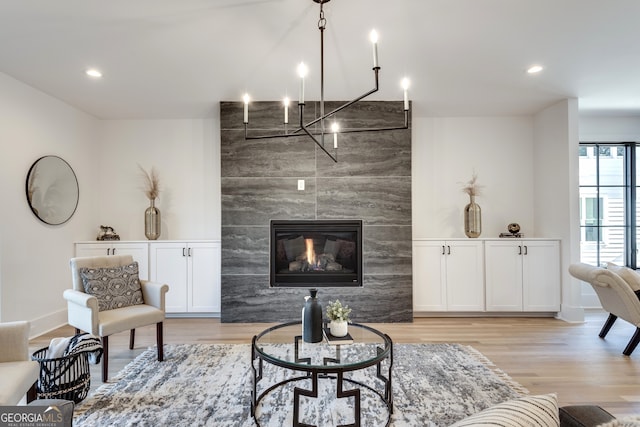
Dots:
{"x": 316, "y": 253}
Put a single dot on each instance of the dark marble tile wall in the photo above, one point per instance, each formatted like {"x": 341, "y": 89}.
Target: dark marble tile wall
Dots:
{"x": 371, "y": 181}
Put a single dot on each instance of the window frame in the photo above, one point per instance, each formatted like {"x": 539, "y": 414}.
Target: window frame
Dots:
{"x": 603, "y": 150}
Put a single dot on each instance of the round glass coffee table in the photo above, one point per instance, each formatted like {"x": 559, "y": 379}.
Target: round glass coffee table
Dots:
{"x": 282, "y": 346}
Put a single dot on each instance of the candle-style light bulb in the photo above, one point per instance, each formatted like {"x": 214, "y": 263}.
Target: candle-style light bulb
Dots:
{"x": 286, "y": 101}
{"x": 335, "y": 129}
{"x": 405, "y": 86}
{"x": 246, "y": 100}
{"x": 302, "y": 72}
{"x": 373, "y": 36}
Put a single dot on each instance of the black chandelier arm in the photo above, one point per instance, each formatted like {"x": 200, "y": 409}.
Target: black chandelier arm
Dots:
{"x": 346, "y": 105}
{"x": 297, "y": 133}
{"x": 310, "y": 135}
{"x": 319, "y": 144}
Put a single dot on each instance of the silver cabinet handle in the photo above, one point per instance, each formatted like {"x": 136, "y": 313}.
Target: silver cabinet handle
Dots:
{"x": 519, "y": 250}
{"x": 526, "y": 250}
{"x": 442, "y": 249}
{"x": 189, "y": 252}
{"x": 183, "y": 252}
{"x": 448, "y": 250}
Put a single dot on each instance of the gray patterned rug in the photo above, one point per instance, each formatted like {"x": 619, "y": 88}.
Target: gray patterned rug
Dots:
{"x": 210, "y": 385}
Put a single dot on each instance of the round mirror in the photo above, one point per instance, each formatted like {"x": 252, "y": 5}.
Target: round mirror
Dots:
{"x": 52, "y": 190}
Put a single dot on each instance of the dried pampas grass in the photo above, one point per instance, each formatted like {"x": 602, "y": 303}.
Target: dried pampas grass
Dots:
{"x": 151, "y": 183}
{"x": 471, "y": 187}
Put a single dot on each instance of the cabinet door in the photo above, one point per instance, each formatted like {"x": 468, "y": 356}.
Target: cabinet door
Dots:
{"x": 503, "y": 275}
{"x": 541, "y": 275}
{"x": 139, "y": 252}
{"x": 465, "y": 275}
{"x": 168, "y": 264}
{"x": 429, "y": 292}
{"x": 203, "y": 273}
{"x": 93, "y": 249}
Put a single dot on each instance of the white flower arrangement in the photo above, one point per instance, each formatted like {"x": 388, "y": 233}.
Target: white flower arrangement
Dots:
{"x": 337, "y": 312}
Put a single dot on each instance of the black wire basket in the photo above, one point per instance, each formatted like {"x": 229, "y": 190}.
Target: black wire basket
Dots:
{"x": 67, "y": 377}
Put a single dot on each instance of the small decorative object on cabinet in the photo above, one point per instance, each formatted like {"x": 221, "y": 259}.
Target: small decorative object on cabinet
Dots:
{"x": 339, "y": 318}
{"x": 312, "y": 318}
{"x": 472, "y": 212}
{"x": 107, "y": 233}
{"x": 514, "y": 231}
{"x": 151, "y": 214}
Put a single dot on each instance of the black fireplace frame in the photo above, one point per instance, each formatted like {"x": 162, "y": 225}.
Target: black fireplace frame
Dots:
{"x": 312, "y": 280}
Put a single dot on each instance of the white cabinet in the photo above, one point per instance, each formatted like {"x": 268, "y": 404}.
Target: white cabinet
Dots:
{"x": 523, "y": 275}
{"x": 139, "y": 251}
{"x": 192, "y": 270}
{"x": 448, "y": 275}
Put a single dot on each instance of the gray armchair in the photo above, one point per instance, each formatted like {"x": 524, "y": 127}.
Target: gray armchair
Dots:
{"x": 84, "y": 313}
{"x": 616, "y": 297}
{"x": 18, "y": 373}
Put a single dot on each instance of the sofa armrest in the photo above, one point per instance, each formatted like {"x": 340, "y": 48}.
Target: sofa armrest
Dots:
{"x": 14, "y": 341}
{"x": 154, "y": 293}
{"x": 583, "y": 416}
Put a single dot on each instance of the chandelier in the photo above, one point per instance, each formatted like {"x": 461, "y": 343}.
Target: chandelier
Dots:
{"x": 319, "y": 136}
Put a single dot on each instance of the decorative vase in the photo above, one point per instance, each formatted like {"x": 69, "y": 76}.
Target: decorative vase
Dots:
{"x": 152, "y": 221}
{"x": 339, "y": 328}
{"x": 312, "y": 318}
{"x": 472, "y": 219}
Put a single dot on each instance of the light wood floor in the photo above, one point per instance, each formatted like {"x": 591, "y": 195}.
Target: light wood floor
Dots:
{"x": 543, "y": 354}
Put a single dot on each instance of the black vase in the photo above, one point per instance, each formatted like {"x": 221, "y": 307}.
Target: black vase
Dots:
{"x": 312, "y": 318}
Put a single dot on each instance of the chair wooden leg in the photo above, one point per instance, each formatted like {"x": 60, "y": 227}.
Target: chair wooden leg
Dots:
{"x": 160, "y": 341}
{"x": 607, "y": 325}
{"x": 105, "y": 359}
{"x": 635, "y": 339}
{"x": 77, "y": 331}
{"x": 132, "y": 338}
{"x": 32, "y": 393}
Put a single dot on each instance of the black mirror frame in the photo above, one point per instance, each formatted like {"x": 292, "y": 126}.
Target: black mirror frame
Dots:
{"x": 27, "y": 190}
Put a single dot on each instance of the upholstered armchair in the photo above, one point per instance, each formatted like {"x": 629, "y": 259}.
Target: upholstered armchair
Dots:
{"x": 616, "y": 296}
{"x": 103, "y": 314}
{"x": 18, "y": 373}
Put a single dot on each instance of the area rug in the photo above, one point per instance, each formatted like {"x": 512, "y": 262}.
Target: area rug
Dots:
{"x": 210, "y": 385}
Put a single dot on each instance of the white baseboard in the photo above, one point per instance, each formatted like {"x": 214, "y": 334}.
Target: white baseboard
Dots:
{"x": 47, "y": 323}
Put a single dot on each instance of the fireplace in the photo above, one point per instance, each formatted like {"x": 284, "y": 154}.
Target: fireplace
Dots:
{"x": 316, "y": 253}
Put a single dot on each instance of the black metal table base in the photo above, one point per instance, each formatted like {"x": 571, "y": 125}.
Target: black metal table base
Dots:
{"x": 314, "y": 374}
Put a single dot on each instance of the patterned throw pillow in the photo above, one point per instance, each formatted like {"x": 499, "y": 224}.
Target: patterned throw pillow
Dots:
{"x": 526, "y": 411}
{"x": 114, "y": 287}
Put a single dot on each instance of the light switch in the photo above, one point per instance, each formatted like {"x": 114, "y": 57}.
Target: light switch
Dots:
{"x": 301, "y": 184}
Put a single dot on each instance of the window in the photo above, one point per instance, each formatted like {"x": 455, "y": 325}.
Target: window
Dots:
{"x": 592, "y": 218}
{"x": 608, "y": 209}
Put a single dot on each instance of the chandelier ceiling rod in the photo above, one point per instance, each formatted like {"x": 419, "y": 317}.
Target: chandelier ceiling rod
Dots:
{"x": 304, "y": 128}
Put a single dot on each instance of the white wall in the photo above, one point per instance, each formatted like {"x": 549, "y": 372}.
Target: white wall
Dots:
{"x": 609, "y": 129}
{"x": 34, "y": 257}
{"x": 446, "y": 152}
{"x": 186, "y": 156}
{"x": 555, "y": 198}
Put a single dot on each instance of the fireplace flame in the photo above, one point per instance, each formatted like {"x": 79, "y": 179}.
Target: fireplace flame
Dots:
{"x": 311, "y": 254}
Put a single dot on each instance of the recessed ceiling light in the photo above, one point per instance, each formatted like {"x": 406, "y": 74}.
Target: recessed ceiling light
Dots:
{"x": 534, "y": 69}
{"x": 92, "y": 72}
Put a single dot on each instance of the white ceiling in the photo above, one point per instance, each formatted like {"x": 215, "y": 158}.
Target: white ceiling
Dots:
{"x": 179, "y": 58}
